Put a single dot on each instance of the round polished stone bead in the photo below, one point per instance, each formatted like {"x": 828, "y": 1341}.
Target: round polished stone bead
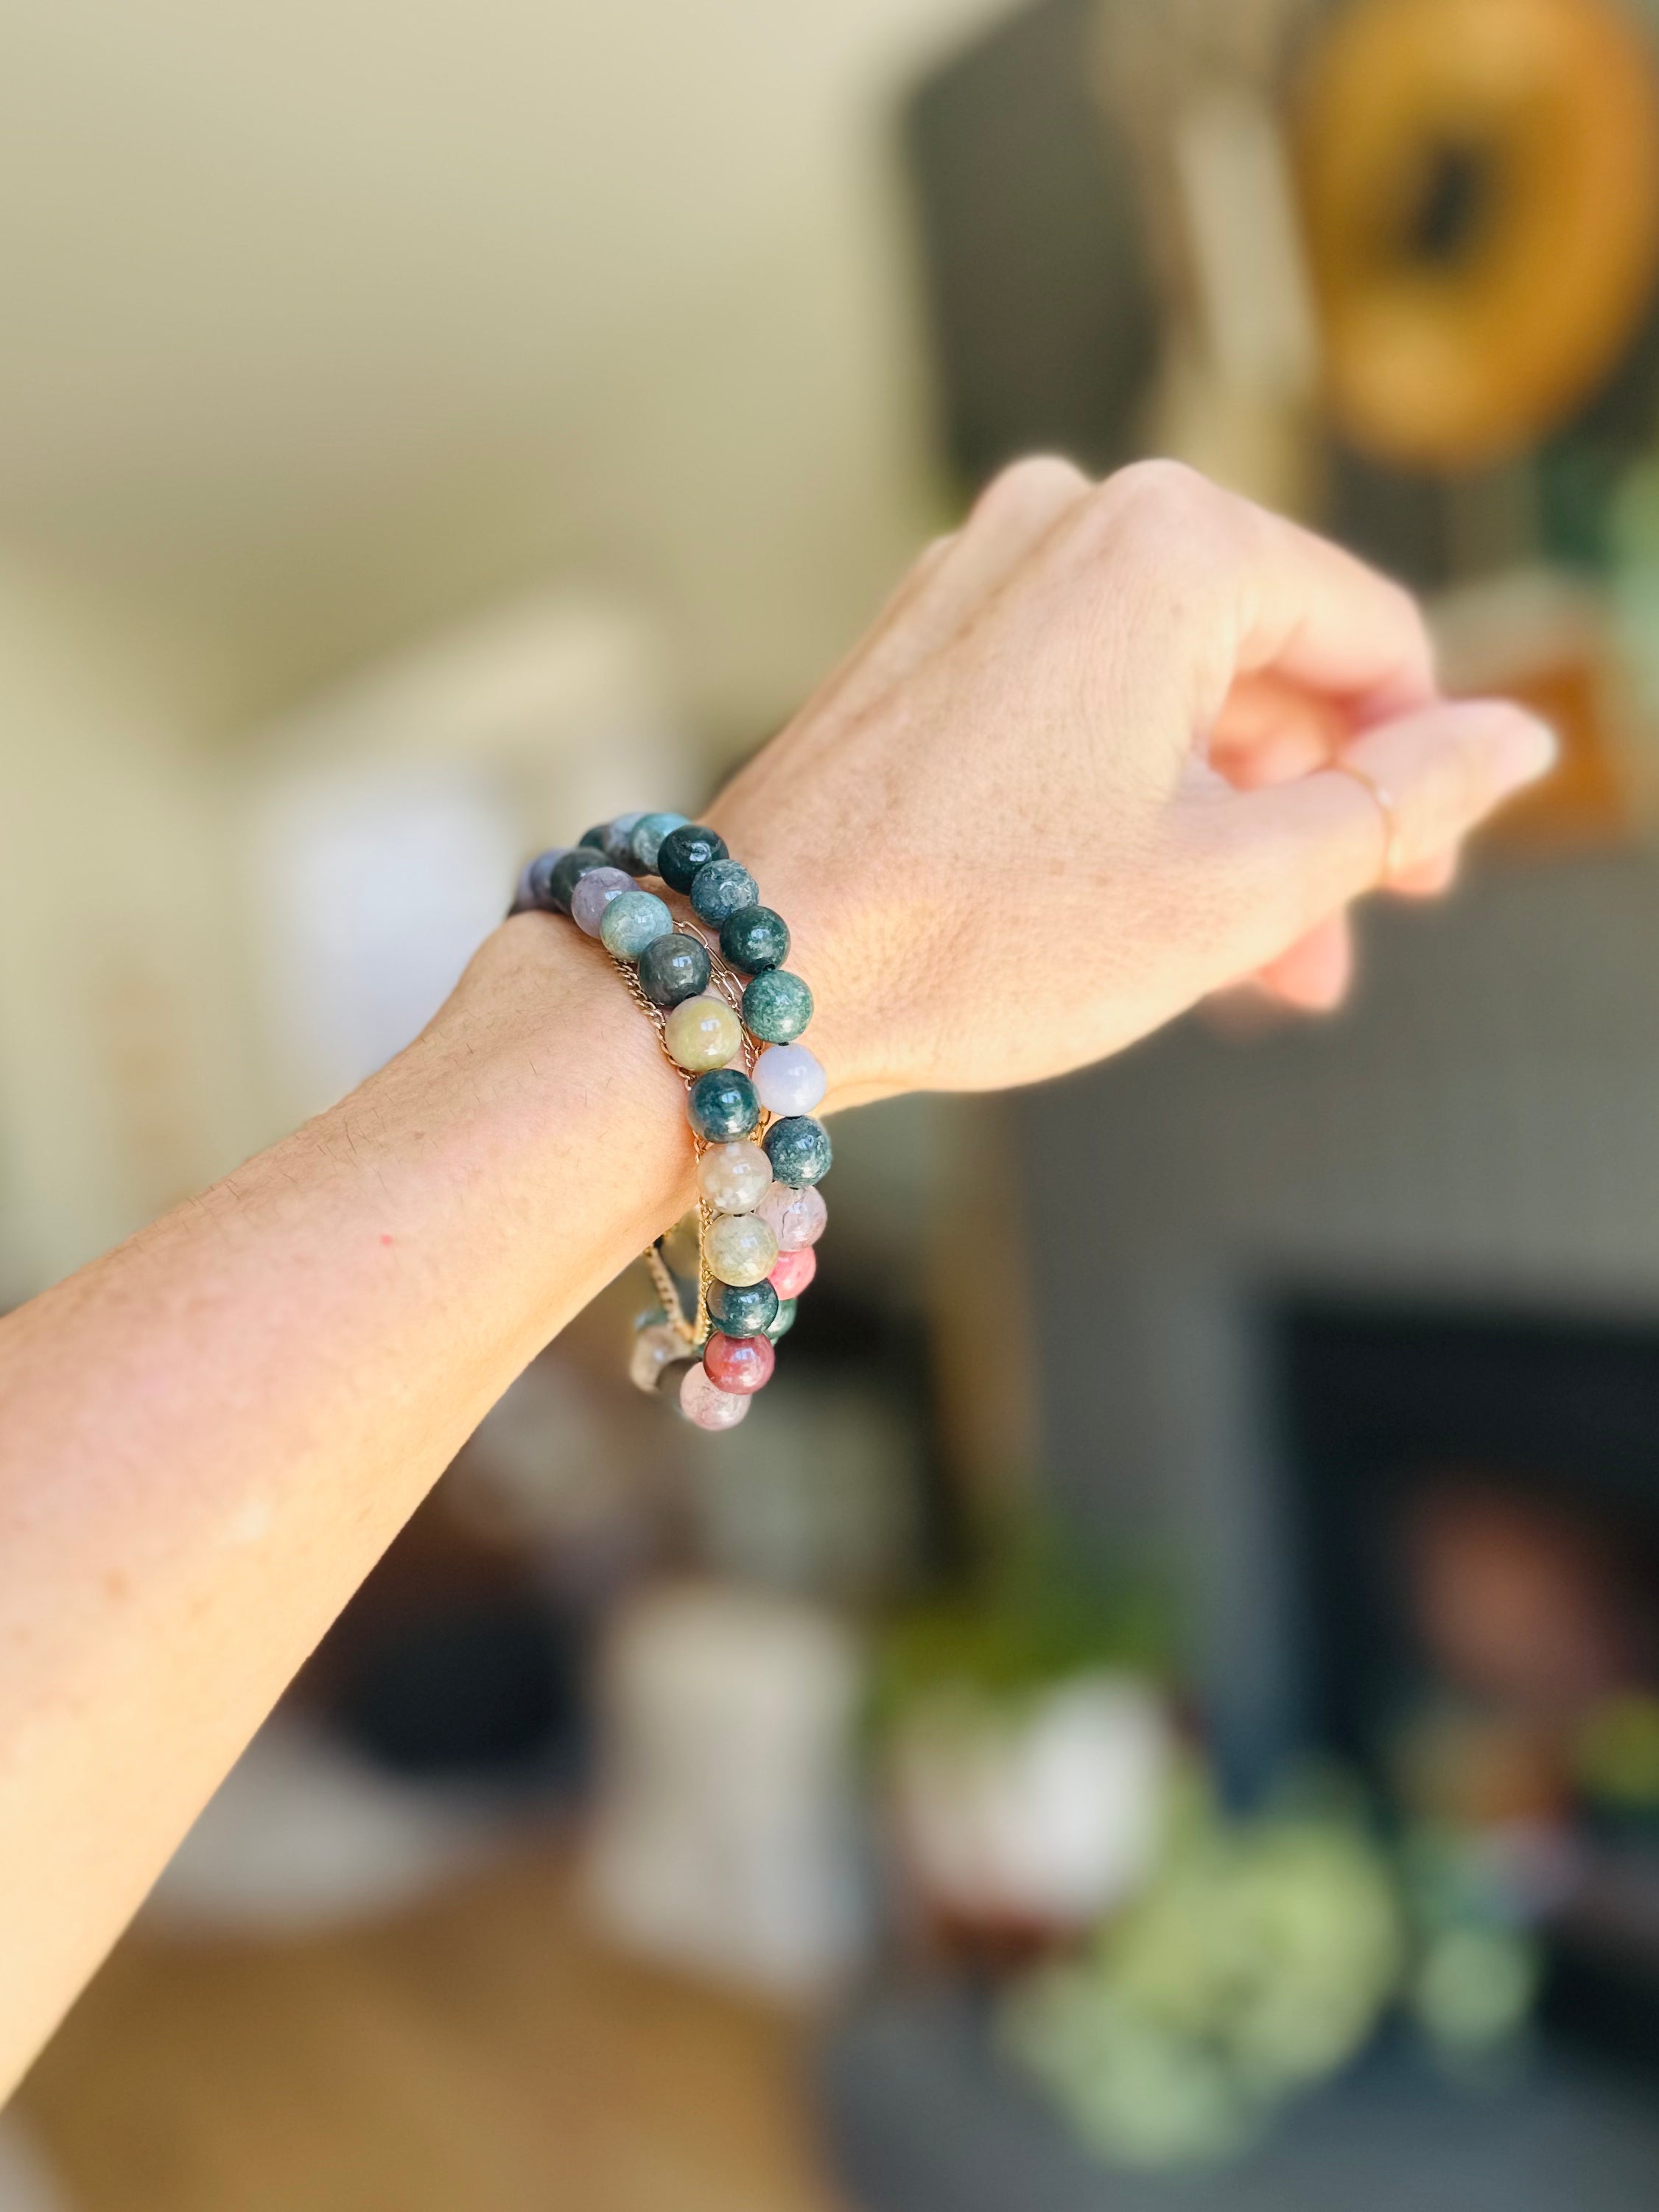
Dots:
{"x": 568, "y": 871}
{"x": 722, "y": 888}
{"x": 673, "y": 968}
{"x": 533, "y": 888}
{"x": 784, "y": 1320}
{"x": 776, "y": 1007}
{"x": 754, "y": 938}
{"x": 617, "y": 842}
{"x": 794, "y": 1272}
{"x": 741, "y": 1308}
{"x": 798, "y": 1149}
{"x": 739, "y": 1249}
{"x": 734, "y": 1178}
{"x": 632, "y": 922}
{"x": 655, "y": 1350}
{"x": 789, "y": 1079}
{"x": 594, "y": 894}
{"x": 685, "y": 851}
{"x": 721, "y": 1105}
{"x": 648, "y": 833}
{"x": 741, "y": 1364}
{"x": 797, "y": 1216}
{"x": 702, "y": 1033}
{"x": 703, "y": 1401}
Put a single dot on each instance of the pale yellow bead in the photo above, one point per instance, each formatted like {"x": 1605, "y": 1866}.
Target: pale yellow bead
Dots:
{"x": 734, "y": 1178}
{"x": 739, "y": 1249}
{"x": 701, "y": 1034}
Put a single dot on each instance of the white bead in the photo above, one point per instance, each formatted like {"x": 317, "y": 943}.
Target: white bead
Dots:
{"x": 740, "y": 1248}
{"x": 796, "y": 1218}
{"x": 789, "y": 1079}
{"x": 703, "y": 1402}
{"x": 735, "y": 1177}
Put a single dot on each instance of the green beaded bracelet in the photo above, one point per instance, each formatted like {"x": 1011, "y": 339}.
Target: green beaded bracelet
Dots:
{"x": 729, "y": 1016}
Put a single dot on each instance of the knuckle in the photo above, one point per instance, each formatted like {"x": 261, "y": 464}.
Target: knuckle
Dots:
{"x": 1033, "y": 486}
{"x": 1158, "y": 493}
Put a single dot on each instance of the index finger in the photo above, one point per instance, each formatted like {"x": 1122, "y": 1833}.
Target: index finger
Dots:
{"x": 1242, "y": 592}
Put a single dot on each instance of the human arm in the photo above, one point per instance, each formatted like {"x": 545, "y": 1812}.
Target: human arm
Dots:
{"x": 1000, "y": 837}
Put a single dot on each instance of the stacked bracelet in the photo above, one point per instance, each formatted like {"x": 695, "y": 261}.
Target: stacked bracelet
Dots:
{"x": 730, "y": 1015}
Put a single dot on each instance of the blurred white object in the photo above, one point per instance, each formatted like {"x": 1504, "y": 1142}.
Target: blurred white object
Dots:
{"x": 302, "y": 1834}
{"x": 25, "y": 2185}
{"x": 389, "y": 820}
{"x": 724, "y": 1838}
{"x": 1049, "y": 1812}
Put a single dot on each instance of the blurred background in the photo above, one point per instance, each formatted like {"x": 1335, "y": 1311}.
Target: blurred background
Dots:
{"x": 1161, "y": 1702}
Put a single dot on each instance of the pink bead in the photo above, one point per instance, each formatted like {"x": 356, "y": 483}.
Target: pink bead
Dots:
{"x": 794, "y": 1272}
{"x": 702, "y": 1401}
{"x": 796, "y": 1218}
{"x": 742, "y": 1364}
{"x": 593, "y": 893}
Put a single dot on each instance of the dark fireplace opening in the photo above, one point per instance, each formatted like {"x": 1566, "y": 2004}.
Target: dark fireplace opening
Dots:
{"x": 1474, "y": 1502}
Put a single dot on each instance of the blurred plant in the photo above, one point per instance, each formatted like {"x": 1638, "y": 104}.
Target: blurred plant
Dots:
{"x": 1042, "y": 1612}
{"x": 1025, "y": 1738}
{"x": 1260, "y": 1959}
{"x": 1257, "y": 1960}
{"x": 1474, "y": 1970}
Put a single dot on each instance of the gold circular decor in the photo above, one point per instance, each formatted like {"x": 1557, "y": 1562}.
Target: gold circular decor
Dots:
{"x": 1480, "y": 182}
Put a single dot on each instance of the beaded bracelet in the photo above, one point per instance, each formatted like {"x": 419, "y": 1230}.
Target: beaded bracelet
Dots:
{"x": 729, "y": 1016}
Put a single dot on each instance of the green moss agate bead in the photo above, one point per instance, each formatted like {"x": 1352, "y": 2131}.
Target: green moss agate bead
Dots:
{"x": 798, "y": 1149}
{"x": 722, "y": 888}
{"x": 784, "y": 1320}
{"x": 721, "y": 1105}
{"x": 686, "y": 850}
{"x": 648, "y": 833}
{"x": 743, "y": 1309}
{"x": 632, "y": 922}
{"x": 754, "y": 939}
{"x": 673, "y": 968}
{"x": 776, "y": 1007}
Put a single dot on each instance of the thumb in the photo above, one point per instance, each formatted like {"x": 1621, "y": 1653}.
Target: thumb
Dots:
{"x": 1298, "y": 852}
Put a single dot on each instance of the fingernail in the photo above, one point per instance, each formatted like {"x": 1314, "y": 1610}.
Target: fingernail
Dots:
{"x": 1524, "y": 749}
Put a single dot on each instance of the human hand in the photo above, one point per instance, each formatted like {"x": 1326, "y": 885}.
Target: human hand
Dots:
{"x": 1078, "y": 777}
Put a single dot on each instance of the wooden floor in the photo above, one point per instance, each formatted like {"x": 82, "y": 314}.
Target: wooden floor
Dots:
{"x": 483, "y": 2054}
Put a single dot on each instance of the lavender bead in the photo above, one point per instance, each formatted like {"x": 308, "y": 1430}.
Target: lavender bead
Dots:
{"x": 789, "y": 1079}
{"x": 704, "y": 1403}
{"x": 594, "y": 894}
{"x": 796, "y": 1218}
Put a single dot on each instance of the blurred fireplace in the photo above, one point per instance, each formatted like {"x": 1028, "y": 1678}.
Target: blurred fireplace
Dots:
{"x": 1473, "y": 1498}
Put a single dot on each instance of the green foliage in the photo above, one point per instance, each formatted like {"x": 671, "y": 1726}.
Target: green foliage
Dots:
{"x": 1043, "y": 1613}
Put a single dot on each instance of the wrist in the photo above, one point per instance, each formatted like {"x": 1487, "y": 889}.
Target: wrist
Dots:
{"x": 559, "y": 1084}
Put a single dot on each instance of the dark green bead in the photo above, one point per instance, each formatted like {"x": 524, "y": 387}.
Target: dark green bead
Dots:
{"x": 776, "y": 1007}
{"x": 722, "y": 888}
{"x": 798, "y": 1149}
{"x": 784, "y": 1320}
{"x": 748, "y": 1310}
{"x": 569, "y": 871}
{"x": 754, "y": 939}
{"x": 595, "y": 836}
{"x": 685, "y": 852}
{"x": 673, "y": 968}
{"x": 722, "y": 1105}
